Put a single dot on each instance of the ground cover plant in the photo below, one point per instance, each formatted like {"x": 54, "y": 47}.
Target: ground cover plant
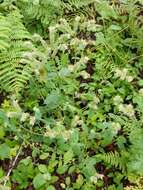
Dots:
{"x": 71, "y": 94}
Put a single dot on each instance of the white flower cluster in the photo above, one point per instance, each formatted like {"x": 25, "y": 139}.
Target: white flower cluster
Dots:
{"x": 127, "y": 109}
{"x": 76, "y": 121}
{"x": 12, "y": 114}
{"x": 52, "y": 28}
{"x": 94, "y": 103}
{"x": 15, "y": 109}
{"x": 65, "y": 36}
{"x": 84, "y": 74}
{"x": 122, "y": 74}
{"x": 27, "y": 116}
{"x": 79, "y": 43}
{"x": 95, "y": 178}
{"x": 116, "y": 127}
{"x": 62, "y": 47}
{"x": 66, "y": 134}
{"x": 77, "y": 18}
{"x": 141, "y": 92}
{"x": 77, "y": 65}
{"x": 117, "y": 100}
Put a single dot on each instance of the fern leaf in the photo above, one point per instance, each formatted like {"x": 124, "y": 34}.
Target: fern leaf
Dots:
{"x": 114, "y": 159}
{"x": 13, "y": 72}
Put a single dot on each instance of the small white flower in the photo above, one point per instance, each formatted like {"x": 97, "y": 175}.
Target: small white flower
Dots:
{"x": 24, "y": 116}
{"x": 63, "y": 47}
{"x": 94, "y": 106}
{"x": 63, "y": 185}
{"x": 85, "y": 75}
{"x": 83, "y": 43}
{"x": 99, "y": 176}
{"x": 117, "y": 100}
{"x": 71, "y": 68}
{"x": 93, "y": 179}
{"x": 77, "y": 95}
{"x": 77, "y": 18}
{"x": 53, "y": 134}
{"x": 36, "y": 109}
{"x": 92, "y": 131}
{"x": 52, "y": 28}
{"x": 96, "y": 100}
{"x": 129, "y": 110}
{"x": 74, "y": 41}
{"x": 50, "y": 133}
{"x": 91, "y": 25}
{"x": 67, "y": 36}
{"x": 121, "y": 107}
{"x": 57, "y": 26}
{"x": 116, "y": 127}
{"x": 85, "y": 59}
{"x": 121, "y": 73}
{"x": 141, "y": 91}
{"x": 91, "y": 21}
{"x": 80, "y": 122}
{"x": 129, "y": 78}
{"x": 66, "y": 135}
{"x": 62, "y": 20}
{"x": 32, "y": 120}
{"x": 11, "y": 114}
{"x": 47, "y": 176}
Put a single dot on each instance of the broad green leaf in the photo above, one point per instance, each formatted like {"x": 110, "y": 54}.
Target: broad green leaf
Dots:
{"x": 79, "y": 182}
{"x": 62, "y": 169}
{"x": 42, "y": 168}
{"x": 2, "y": 133}
{"x": 1, "y": 173}
{"x": 74, "y": 137}
{"x": 39, "y": 181}
{"x": 4, "y": 151}
{"x": 44, "y": 156}
{"x": 51, "y": 187}
{"x": 115, "y": 27}
{"x": 68, "y": 156}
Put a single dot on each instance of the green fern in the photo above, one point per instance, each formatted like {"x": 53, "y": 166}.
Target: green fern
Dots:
{"x": 79, "y": 7}
{"x": 44, "y": 11}
{"x": 78, "y": 3}
{"x": 38, "y": 14}
{"x": 15, "y": 68}
{"x": 4, "y": 32}
{"x": 113, "y": 158}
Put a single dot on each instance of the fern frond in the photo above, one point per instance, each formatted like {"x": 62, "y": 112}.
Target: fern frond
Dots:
{"x": 114, "y": 159}
{"x": 80, "y": 7}
{"x": 78, "y": 3}
{"x": 44, "y": 10}
{"x": 14, "y": 73}
{"x": 4, "y": 33}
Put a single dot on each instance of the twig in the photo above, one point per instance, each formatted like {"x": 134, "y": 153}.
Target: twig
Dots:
{"x": 13, "y": 164}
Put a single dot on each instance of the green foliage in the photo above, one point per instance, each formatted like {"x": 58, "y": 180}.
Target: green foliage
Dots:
{"x": 113, "y": 159}
{"x": 15, "y": 68}
{"x": 71, "y": 94}
{"x": 38, "y": 14}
